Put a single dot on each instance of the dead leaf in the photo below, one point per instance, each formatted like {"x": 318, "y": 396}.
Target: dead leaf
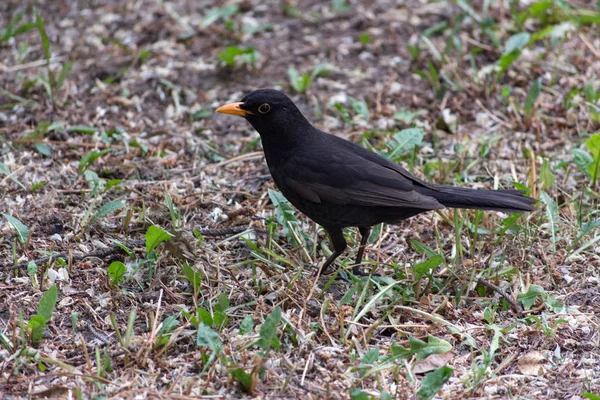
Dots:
{"x": 432, "y": 362}
{"x": 532, "y": 364}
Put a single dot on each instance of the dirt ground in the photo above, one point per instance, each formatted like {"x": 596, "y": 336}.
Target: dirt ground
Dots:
{"x": 125, "y": 125}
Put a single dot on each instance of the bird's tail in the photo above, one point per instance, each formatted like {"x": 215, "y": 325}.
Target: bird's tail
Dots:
{"x": 481, "y": 199}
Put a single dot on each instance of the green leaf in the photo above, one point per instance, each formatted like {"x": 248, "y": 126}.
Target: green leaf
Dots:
{"x": 424, "y": 267}
{"x": 112, "y": 183}
{"x": 36, "y": 326}
{"x": 547, "y": 177}
{"x": 364, "y": 38}
{"x": 422, "y": 248}
{"x": 230, "y": 54}
{"x": 66, "y": 68}
{"x": 38, "y": 185}
{"x": 21, "y": 229}
{"x": 532, "y": 96}
{"x": 202, "y": 113}
{"x": 126, "y": 249}
{"x": 89, "y": 130}
{"x": 89, "y": 158}
{"x": 268, "y": 331}
{"x": 219, "y": 320}
{"x": 516, "y": 42}
{"x": 32, "y": 268}
{"x": 433, "y": 382}
{"x": 244, "y": 378}
{"x": 300, "y": 83}
{"x": 357, "y": 394}
{"x": 116, "y": 270}
{"x": 109, "y": 208}
{"x": 208, "y": 338}
{"x": 45, "y": 41}
{"x": 204, "y": 316}
{"x": 507, "y": 60}
{"x": 590, "y": 396}
{"x": 583, "y": 160}
{"x": 247, "y": 325}
{"x": 408, "y": 116}
{"x": 195, "y": 278}
{"x": 528, "y": 298}
{"x": 168, "y": 325}
{"x": 285, "y": 215}
{"x": 47, "y": 303}
{"x": 44, "y": 149}
{"x": 155, "y": 236}
{"x": 321, "y": 69}
{"x": 434, "y": 345}
{"x": 593, "y": 144}
{"x": 219, "y": 13}
{"x": 552, "y": 214}
{"x": 360, "y": 108}
{"x": 6, "y": 171}
{"x": 370, "y": 356}
{"x": 222, "y": 303}
{"x": 405, "y": 141}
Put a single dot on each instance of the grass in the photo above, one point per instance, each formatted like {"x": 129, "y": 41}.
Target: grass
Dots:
{"x": 133, "y": 265}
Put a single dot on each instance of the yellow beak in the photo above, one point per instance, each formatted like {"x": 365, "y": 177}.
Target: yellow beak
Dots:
{"x": 233, "y": 109}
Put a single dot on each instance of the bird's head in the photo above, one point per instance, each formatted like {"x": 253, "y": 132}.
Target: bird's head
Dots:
{"x": 269, "y": 111}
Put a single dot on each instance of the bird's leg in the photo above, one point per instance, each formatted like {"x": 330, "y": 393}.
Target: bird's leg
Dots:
{"x": 338, "y": 241}
{"x": 365, "y": 232}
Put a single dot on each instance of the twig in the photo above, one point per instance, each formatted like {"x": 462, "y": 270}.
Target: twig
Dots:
{"x": 514, "y": 304}
{"x": 230, "y": 230}
{"x": 32, "y": 64}
{"x": 103, "y": 253}
{"x": 589, "y": 45}
{"x": 247, "y": 156}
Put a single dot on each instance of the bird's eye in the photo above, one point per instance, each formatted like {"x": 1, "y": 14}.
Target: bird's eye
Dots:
{"x": 264, "y": 108}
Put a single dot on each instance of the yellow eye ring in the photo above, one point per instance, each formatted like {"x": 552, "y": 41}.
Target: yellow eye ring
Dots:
{"x": 264, "y": 108}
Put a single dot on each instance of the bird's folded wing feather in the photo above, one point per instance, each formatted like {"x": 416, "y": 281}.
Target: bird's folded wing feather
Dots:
{"x": 350, "y": 179}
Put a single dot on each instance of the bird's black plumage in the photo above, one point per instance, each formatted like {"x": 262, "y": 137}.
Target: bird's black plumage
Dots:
{"x": 339, "y": 184}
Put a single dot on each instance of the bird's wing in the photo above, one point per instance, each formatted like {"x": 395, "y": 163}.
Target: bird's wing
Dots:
{"x": 346, "y": 178}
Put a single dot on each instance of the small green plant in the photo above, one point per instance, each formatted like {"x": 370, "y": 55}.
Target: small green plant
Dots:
{"x": 301, "y": 83}
{"x": 512, "y": 50}
{"x": 359, "y": 110}
{"x": 97, "y": 187}
{"x": 590, "y": 164}
{"x": 51, "y": 81}
{"x": 39, "y": 322}
{"x": 364, "y": 39}
{"x": 116, "y": 272}
{"x": 173, "y": 212}
{"x": 532, "y": 95}
{"x": 340, "y": 5}
{"x": 90, "y": 157}
{"x": 267, "y": 340}
{"x": 286, "y": 217}
{"x": 535, "y": 292}
{"x": 22, "y": 230}
{"x": 234, "y": 56}
{"x": 166, "y": 329}
{"x": 194, "y": 277}
{"x": 212, "y": 315}
{"x": 15, "y": 27}
{"x": 6, "y": 171}
{"x": 405, "y": 145}
{"x": 220, "y": 13}
{"x": 433, "y": 382}
{"x": 155, "y": 236}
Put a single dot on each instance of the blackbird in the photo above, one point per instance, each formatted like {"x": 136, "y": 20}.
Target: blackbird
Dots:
{"x": 339, "y": 184}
